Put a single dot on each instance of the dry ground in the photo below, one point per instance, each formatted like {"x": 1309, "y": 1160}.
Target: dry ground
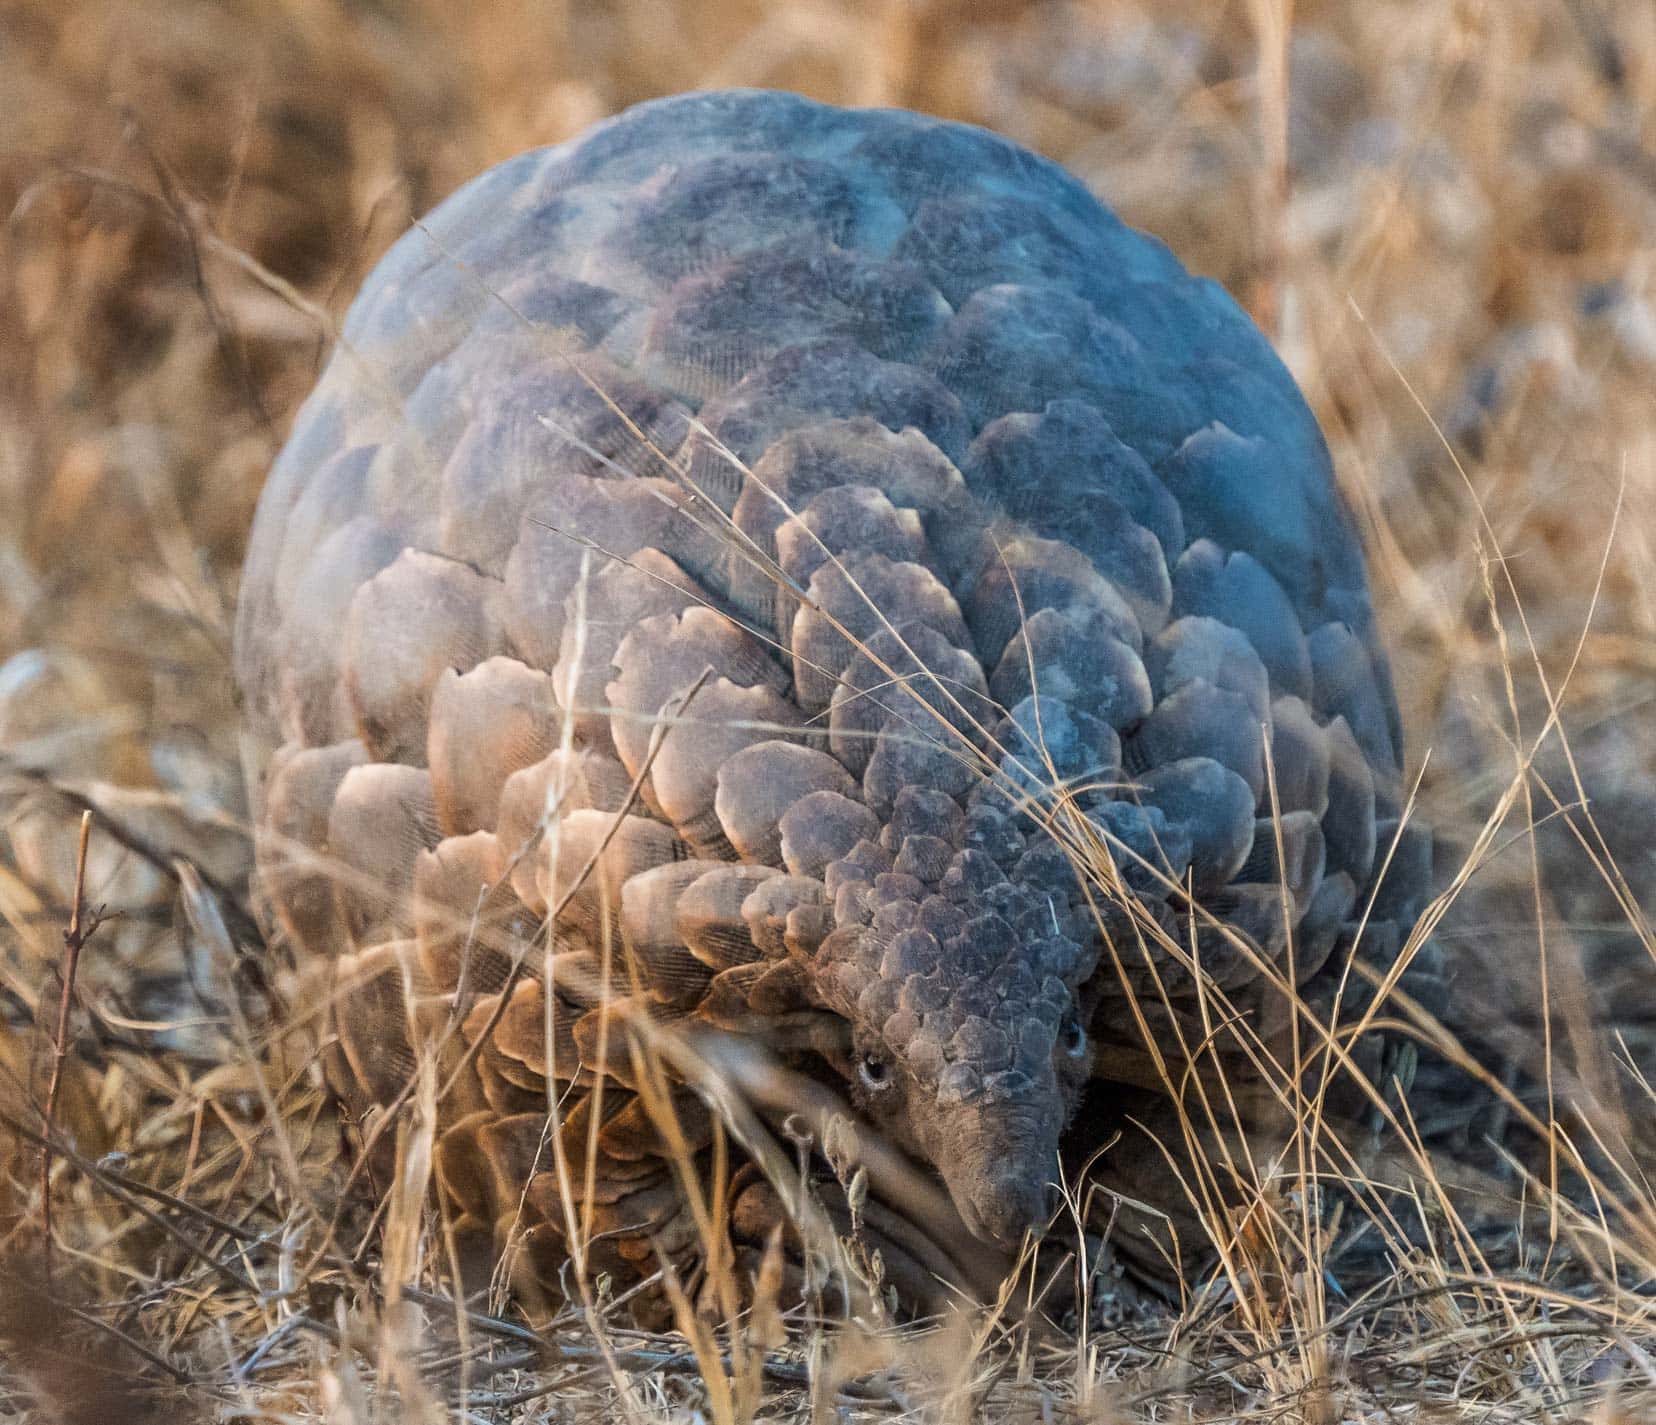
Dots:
{"x": 1442, "y": 211}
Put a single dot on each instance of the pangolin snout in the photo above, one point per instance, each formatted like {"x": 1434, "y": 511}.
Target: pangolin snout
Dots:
{"x": 998, "y": 1159}
{"x": 1007, "y": 1201}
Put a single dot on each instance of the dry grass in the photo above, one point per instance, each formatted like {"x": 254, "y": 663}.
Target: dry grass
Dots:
{"x": 1440, "y": 211}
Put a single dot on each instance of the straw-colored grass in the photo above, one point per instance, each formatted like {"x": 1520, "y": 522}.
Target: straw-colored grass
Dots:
{"x": 1441, "y": 213}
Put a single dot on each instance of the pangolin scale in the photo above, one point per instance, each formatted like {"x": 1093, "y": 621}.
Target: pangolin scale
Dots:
{"x": 732, "y": 567}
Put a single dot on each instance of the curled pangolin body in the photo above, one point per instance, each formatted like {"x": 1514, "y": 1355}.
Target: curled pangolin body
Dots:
{"x": 767, "y": 541}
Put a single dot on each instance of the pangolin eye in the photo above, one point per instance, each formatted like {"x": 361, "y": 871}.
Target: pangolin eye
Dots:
{"x": 874, "y": 1072}
{"x": 1072, "y": 1037}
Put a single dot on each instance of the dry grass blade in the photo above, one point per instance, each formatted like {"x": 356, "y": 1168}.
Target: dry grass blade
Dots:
{"x": 1440, "y": 213}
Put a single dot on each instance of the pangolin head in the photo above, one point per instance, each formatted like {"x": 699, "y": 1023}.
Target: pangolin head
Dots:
{"x": 967, "y": 1039}
{"x": 960, "y": 959}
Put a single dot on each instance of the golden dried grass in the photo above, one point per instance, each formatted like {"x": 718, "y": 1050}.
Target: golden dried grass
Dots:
{"x": 1423, "y": 204}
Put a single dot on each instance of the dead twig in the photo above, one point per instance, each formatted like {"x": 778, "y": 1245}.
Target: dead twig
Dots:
{"x": 83, "y": 924}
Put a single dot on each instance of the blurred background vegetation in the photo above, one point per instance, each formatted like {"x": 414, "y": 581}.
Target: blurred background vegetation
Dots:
{"x": 1441, "y": 212}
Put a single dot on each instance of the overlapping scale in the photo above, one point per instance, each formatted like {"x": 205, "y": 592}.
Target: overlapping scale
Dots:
{"x": 1288, "y": 851}
{"x": 1237, "y": 590}
{"x": 709, "y": 919}
{"x": 701, "y": 338}
{"x": 1020, "y": 574}
{"x": 608, "y": 1036}
{"x": 588, "y": 856}
{"x": 650, "y": 926}
{"x": 693, "y": 690}
{"x": 540, "y": 795}
{"x": 857, "y": 452}
{"x": 907, "y": 712}
{"x": 847, "y": 520}
{"x": 495, "y": 1026}
{"x": 1015, "y": 347}
{"x": 295, "y": 872}
{"x": 1058, "y": 466}
{"x": 1345, "y": 688}
{"x": 851, "y": 600}
{"x": 856, "y": 590}
{"x": 578, "y": 526}
{"x": 1214, "y": 805}
{"x": 804, "y": 385}
{"x": 312, "y": 703}
{"x": 1080, "y": 661}
{"x": 1301, "y": 758}
{"x": 714, "y": 208}
{"x": 1348, "y": 824}
{"x": 1198, "y": 719}
{"x": 421, "y": 615}
{"x": 383, "y": 816}
{"x": 469, "y": 926}
{"x": 372, "y": 1018}
{"x": 485, "y": 724}
{"x": 535, "y": 1046}
{"x": 579, "y": 418}
{"x": 620, "y": 596}
{"x": 758, "y": 785}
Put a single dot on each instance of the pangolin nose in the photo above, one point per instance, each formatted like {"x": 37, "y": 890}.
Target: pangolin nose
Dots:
{"x": 1015, "y": 1200}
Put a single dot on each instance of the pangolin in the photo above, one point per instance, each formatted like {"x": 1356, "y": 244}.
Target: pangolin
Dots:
{"x": 739, "y": 568}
